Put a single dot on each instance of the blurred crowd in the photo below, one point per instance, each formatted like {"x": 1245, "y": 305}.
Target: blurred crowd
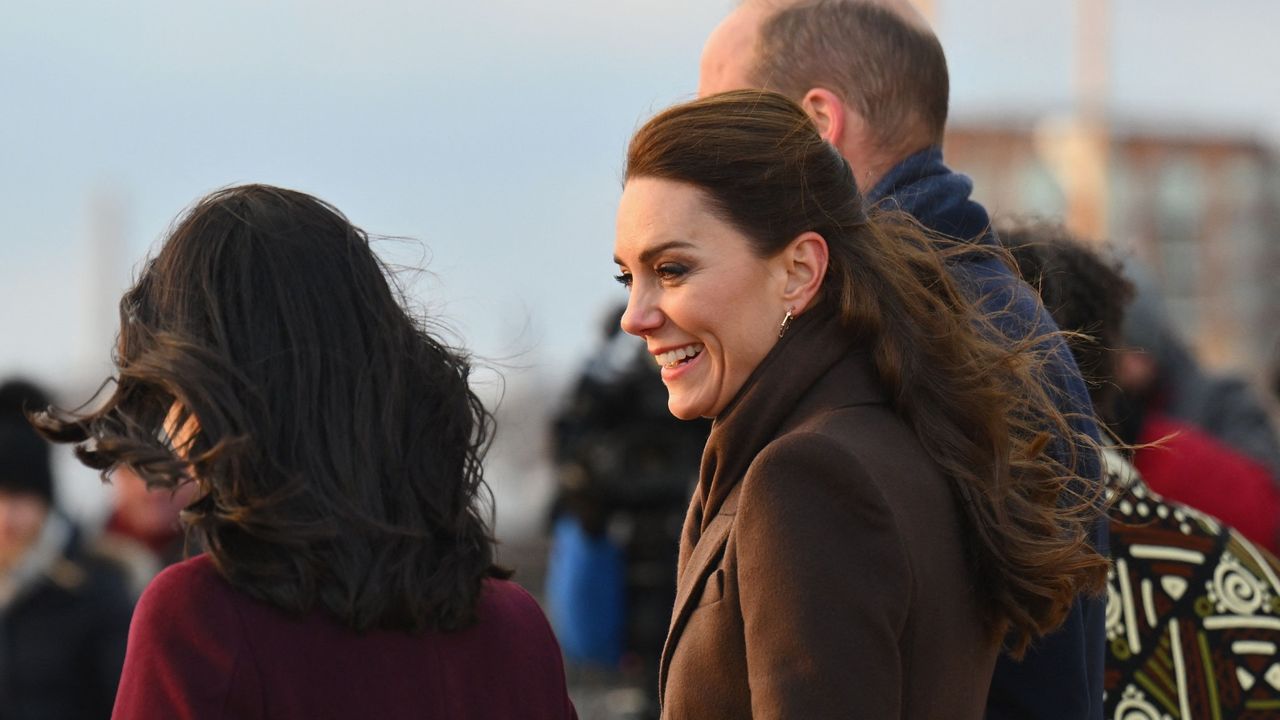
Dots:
{"x": 67, "y": 591}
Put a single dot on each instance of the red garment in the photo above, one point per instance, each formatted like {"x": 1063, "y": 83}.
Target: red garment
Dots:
{"x": 1190, "y": 466}
{"x": 162, "y": 542}
{"x": 199, "y": 649}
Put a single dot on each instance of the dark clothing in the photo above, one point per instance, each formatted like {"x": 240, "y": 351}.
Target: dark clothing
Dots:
{"x": 618, "y": 448}
{"x": 1228, "y": 408}
{"x": 822, "y": 565}
{"x": 199, "y": 649}
{"x": 625, "y": 465}
{"x": 1061, "y": 675}
{"x": 1224, "y": 406}
{"x": 62, "y": 639}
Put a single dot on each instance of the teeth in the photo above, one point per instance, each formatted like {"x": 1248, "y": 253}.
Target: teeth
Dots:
{"x": 671, "y": 358}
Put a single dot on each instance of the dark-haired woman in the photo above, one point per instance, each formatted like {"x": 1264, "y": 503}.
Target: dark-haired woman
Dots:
{"x": 876, "y": 514}
{"x": 265, "y": 356}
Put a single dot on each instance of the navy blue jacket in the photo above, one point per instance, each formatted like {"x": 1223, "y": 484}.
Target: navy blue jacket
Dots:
{"x": 1061, "y": 675}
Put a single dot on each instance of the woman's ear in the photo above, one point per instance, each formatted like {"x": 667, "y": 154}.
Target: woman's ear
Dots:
{"x": 805, "y": 263}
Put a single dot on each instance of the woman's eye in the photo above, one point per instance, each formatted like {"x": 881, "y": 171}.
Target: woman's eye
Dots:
{"x": 671, "y": 271}
{"x": 624, "y": 279}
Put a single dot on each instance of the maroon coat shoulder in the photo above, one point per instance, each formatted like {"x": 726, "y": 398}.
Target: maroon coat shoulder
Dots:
{"x": 200, "y": 648}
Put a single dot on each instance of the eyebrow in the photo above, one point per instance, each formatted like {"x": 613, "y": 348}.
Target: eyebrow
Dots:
{"x": 649, "y": 254}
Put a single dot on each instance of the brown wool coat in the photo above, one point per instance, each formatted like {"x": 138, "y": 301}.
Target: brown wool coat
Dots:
{"x": 822, "y": 572}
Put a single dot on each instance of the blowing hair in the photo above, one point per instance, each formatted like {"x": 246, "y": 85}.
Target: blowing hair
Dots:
{"x": 265, "y": 354}
{"x": 975, "y": 398}
{"x": 892, "y": 71}
{"x": 1084, "y": 292}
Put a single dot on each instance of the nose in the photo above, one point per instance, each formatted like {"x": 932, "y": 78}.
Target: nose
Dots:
{"x": 642, "y": 315}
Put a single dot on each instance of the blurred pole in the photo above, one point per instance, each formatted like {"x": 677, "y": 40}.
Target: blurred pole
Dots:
{"x": 107, "y": 259}
{"x": 929, "y": 9}
{"x": 1087, "y": 195}
{"x": 1076, "y": 147}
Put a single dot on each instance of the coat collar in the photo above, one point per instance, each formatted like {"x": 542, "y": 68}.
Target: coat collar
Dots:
{"x": 925, "y": 188}
{"x": 701, "y": 561}
{"x": 811, "y": 346}
{"x": 814, "y": 367}
{"x": 46, "y": 559}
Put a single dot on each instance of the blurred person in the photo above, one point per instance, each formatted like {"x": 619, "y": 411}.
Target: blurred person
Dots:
{"x": 1273, "y": 385}
{"x": 335, "y": 447}
{"x": 1190, "y": 428}
{"x": 876, "y": 515}
{"x": 1185, "y": 590}
{"x": 626, "y": 467}
{"x": 64, "y": 611}
{"x": 144, "y": 532}
{"x": 1275, "y": 373}
{"x": 874, "y": 78}
{"x": 1165, "y": 385}
{"x": 1186, "y": 464}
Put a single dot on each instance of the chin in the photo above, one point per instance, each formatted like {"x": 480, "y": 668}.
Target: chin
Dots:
{"x": 683, "y": 412}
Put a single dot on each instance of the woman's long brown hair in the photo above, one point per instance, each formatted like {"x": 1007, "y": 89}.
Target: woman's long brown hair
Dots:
{"x": 978, "y": 400}
{"x": 338, "y": 450}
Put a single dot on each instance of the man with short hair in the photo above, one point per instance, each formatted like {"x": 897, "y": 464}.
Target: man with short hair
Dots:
{"x": 873, "y": 77}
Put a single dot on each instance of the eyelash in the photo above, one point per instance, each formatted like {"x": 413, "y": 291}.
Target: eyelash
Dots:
{"x": 671, "y": 271}
{"x": 665, "y": 272}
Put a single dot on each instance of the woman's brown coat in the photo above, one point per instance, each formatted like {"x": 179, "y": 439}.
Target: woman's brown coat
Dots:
{"x": 822, "y": 568}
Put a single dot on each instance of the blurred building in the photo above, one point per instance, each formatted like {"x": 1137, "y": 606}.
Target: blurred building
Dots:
{"x": 1201, "y": 210}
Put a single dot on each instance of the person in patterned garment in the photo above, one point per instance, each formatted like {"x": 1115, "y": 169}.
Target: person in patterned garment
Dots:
{"x": 1193, "y": 607}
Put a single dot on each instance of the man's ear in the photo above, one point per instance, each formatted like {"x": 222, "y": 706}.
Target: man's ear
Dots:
{"x": 805, "y": 263}
{"x": 828, "y": 112}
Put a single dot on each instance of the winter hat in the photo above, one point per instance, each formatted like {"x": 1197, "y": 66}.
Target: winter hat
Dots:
{"x": 24, "y": 455}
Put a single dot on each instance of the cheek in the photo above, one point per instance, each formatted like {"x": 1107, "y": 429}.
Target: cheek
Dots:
{"x": 739, "y": 326}
{"x": 756, "y": 329}
{"x": 744, "y": 343}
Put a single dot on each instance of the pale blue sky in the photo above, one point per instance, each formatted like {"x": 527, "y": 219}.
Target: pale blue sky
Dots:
{"x": 491, "y": 132}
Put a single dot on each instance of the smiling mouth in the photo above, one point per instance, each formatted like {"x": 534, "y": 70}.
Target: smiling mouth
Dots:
{"x": 679, "y": 356}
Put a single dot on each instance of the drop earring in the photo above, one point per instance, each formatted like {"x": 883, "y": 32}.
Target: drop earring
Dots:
{"x": 786, "y": 323}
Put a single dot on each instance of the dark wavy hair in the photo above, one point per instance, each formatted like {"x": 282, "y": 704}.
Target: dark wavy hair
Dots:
{"x": 338, "y": 448}
{"x": 1086, "y": 293}
{"x": 976, "y": 399}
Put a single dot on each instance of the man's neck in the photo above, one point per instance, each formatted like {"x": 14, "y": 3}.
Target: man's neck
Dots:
{"x": 871, "y": 162}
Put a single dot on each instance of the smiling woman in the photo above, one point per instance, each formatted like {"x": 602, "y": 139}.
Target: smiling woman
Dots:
{"x": 703, "y": 302}
{"x": 876, "y": 514}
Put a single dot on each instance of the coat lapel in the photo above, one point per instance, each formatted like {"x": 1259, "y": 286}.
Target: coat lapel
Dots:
{"x": 786, "y": 379}
{"x": 704, "y": 559}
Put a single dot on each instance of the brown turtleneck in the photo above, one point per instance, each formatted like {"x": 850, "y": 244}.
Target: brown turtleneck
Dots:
{"x": 821, "y": 564}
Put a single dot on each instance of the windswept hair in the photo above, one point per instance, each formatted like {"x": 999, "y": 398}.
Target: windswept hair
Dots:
{"x": 339, "y": 445}
{"x": 890, "y": 69}
{"x": 1084, "y": 291}
{"x": 976, "y": 399}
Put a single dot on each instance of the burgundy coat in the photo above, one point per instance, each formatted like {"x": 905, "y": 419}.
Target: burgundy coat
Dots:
{"x": 199, "y": 648}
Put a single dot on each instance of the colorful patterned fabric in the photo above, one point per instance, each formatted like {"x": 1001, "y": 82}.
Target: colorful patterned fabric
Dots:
{"x": 1193, "y": 612}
